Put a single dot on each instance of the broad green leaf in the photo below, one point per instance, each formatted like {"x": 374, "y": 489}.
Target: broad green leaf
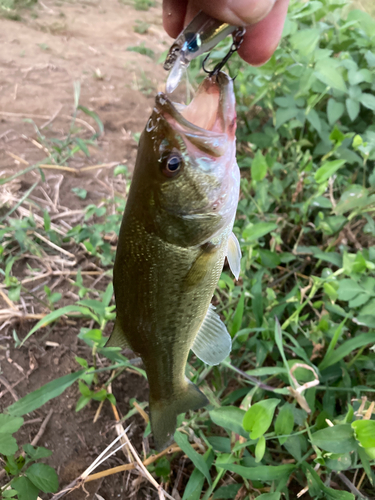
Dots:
{"x": 253, "y": 232}
{"x": 284, "y": 423}
{"x": 196, "y": 458}
{"x": 261, "y": 473}
{"x": 40, "y": 396}
{"x": 8, "y": 444}
{"x": 335, "y": 110}
{"x": 366, "y": 464}
{"x": 260, "y": 449}
{"x": 44, "y": 477}
{"x": 365, "y": 432}
{"x": 25, "y": 488}
{"x": 305, "y": 41}
{"x": 120, "y": 170}
{"x": 258, "y": 167}
{"x": 352, "y": 107}
{"x": 269, "y": 496}
{"x": 327, "y": 72}
{"x": 38, "y": 452}
{"x": 327, "y": 170}
{"x": 337, "y": 439}
{"x": 229, "y": 417}
{"x": 368, "y": 100}
{"x": 340, "y": 461}
{"x": 353, "y": 197}
{"x": 364, "y": 21}
{"x": 9, "y": 493}
{"x": 259, "y": 416}
{"x": 348, "y": 289}
{"x": 314, "y": 120}
{"x": 284, "y": 115}
{"x": 9, "y": 424}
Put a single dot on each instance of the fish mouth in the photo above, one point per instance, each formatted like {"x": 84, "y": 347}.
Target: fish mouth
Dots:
{"x": 209, "y": 121}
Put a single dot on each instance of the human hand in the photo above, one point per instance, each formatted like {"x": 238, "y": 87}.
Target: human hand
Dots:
{"x": 264, "y": 21}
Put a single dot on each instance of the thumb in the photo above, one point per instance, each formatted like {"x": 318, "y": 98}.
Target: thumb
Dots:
{"x": 235, "y": 12}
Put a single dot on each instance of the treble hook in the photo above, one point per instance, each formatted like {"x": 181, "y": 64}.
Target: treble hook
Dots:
{"x": 237, "y": 41}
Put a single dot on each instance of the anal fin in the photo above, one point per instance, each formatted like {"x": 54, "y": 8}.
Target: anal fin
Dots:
{"x": 234, "y": 255}
{"x": 117, "y": 338}
{"x": 213, "y": 342}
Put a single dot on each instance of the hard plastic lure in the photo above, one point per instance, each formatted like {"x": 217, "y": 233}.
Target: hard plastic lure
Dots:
{"x": 200, "y": 36}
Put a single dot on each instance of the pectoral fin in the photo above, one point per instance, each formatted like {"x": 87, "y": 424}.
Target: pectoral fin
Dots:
{"x": 234, "y": 255}
{"x": 117, "y": 338}
{"x": 213, "y": 342}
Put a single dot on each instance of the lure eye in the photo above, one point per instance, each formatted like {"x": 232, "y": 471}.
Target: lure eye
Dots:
{"x": 193, "y": 42}
{"x": 172, "y": 165}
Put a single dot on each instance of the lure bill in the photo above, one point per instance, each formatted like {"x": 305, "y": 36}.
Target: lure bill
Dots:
{"x": 175, "y": 234}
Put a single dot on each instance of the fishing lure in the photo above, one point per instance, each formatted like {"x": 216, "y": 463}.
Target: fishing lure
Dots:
{"x": 201, "y": 35}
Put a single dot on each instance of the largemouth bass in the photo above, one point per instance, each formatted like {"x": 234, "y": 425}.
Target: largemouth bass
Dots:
{"x": 175, "y": 234}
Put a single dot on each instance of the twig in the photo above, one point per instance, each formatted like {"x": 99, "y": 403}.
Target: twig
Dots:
{"x": 42, "y": 428}
{"x": 48, "y": 122}
{"x": 254, "y": 380}
{"x": 350, "y": 485}
{"x": 7, "y": 300}
{"x": 47, "y": 166}
{"x": 10, "y": 389}
{"x": 56, "y": 247}
{"x": 47, "y": 117}
{"x": 141, "y": 411}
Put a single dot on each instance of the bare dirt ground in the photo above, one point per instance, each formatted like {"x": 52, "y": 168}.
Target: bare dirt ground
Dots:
{"x": 56, "y": 44}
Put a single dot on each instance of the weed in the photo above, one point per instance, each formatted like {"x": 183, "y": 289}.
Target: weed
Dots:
{"x": 140, "y": 4}
{"x": 140, "y": 27}
{"x": 11, "y": 8}
{"x": 141, "y": 49}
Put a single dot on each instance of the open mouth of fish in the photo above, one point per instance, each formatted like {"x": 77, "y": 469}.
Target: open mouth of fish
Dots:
{"x": 209, "y": 121}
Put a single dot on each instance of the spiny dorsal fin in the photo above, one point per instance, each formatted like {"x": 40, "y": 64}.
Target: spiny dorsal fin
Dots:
{"x": 234, "y": 255}
{"x": 213, "y": 342}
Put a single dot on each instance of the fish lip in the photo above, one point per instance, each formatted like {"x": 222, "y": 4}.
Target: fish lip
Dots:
{"x": 165, "y": 106}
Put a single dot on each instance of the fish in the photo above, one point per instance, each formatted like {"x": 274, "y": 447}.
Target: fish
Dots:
{"x": 175, "y": 234}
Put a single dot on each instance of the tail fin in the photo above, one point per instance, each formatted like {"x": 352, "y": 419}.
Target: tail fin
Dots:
{"x": 163, "y": 414}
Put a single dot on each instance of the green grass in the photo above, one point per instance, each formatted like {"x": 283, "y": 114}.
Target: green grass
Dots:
{"x": 291, "y": 410}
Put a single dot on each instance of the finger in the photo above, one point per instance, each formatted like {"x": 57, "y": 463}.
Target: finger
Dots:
{"x": 262, "y": 39}
{"x": 235, "y": 12}
{"x": 174, "y": 12}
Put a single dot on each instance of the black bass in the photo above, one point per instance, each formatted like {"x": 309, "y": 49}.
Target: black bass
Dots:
{"x": 175, "y": 234}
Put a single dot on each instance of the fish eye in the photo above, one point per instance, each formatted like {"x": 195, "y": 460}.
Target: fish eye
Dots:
{"x": 172, "y": 165}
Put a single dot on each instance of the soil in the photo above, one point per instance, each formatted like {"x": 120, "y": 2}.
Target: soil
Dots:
{"x": 54, "y": 45}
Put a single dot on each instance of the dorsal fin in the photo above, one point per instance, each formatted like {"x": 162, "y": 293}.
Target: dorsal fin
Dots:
{"x": 234, "y": 255}
{"x": 213, "y": 342}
